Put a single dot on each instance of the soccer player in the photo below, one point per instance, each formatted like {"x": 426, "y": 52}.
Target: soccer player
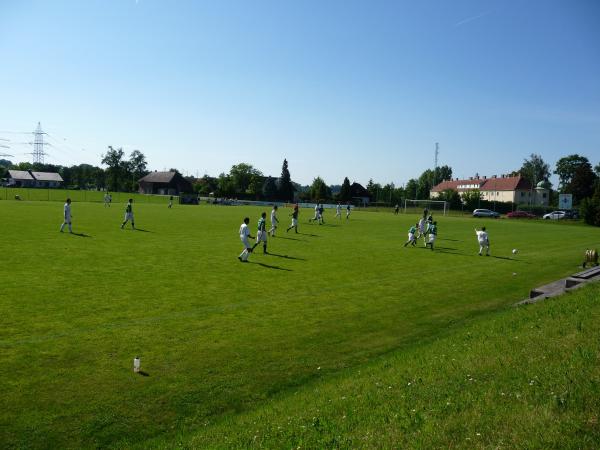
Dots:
{"x": 348, "y": 209}
{"x": 274, "y": 221}
{"x": 321, "y": 210}
{"x": 484, "y": 241}
{"x": 107, "y": 200}
{"x": 432, "y": 233}
{"x": 338, "y": 211}
{"x": 421, "y": 228}
{"x": 396, "y": 209}
{"x": 244, "y": 235}
{"x": 261, "y": 234}
{"x": 67, "y": 216}
{"x": 412, "y": 240}
{"x": 316, "y": 217}
{"x": 294, "y": 219}
{"x": 170, "y": 202}
{"x": 129, "y": 214}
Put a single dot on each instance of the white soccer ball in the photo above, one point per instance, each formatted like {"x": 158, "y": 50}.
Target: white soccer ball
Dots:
{"x": 515, "y": 251}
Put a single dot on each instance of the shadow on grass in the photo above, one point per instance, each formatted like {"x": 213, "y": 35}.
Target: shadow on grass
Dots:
{"x": 288, "y": 238}
{"x": 309, "y": 234}
{"x": 142, "y": 230}
{"x": 268, "y": 266}
{"x": 285, "y": 256}
{"x": 81, "y": 235}
{"x": 503, "y": 257}
{"x": 144, "y": 374}
{"x": 451, "y": 240}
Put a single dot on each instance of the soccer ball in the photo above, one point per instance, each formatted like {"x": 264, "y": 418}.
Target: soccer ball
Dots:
{"x": 515, "y": 251}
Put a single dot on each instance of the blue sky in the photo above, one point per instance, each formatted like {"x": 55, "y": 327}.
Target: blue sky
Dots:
{"x": 339, "y": 88}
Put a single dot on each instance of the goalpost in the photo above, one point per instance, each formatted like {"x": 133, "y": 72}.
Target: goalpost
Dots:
{"x": 431, "y": 205}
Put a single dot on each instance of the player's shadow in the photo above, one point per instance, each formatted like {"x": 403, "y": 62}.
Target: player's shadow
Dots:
{"x": 285, "y": 256}
{"x": 268, "y": 266}
{"x": 81, "y": 235}
{"x": 144, "y": 374}
{"x": 143, "y": 231}
{"x": 451, "y": 240}
{"x": 309, "y": 234}
{"x": 503, "y": 257}
{"x": 446, "y": 248}
{"x": 288, "y": 238}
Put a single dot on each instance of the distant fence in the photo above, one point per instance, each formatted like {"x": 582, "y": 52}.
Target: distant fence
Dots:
{"x": 60, "y": 195}
{"x": 236, "y": 202}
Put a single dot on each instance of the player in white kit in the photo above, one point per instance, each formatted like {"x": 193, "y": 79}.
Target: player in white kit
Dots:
{"x": 244, "y": 235}
{"x": 274, "y": 221}
{"x": 338, "y": 211}
{"x": 483, "y": 240}
{"x": 67, "y": 216}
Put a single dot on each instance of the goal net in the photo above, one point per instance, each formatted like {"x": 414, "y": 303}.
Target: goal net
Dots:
{"x": 418, "y": 206}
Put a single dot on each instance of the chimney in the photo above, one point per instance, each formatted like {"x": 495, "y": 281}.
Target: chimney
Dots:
{"x": 485, "y": 177}
{"x": 494, "y": 176}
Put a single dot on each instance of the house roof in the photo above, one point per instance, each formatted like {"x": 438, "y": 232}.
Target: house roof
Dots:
{"x": 20, "y": 175}
{"x": 485, "y": 184}
{"x": 159, "y": 177}
{"x": 47, "y": 176}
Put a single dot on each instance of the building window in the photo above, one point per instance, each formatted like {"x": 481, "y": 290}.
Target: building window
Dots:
{"x": 544, "y": 195}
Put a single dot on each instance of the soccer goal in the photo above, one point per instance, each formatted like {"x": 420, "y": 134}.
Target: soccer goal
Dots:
{"x": 413, "y": 206}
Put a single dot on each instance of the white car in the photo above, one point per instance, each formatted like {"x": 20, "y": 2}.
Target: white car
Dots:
{"x": 555, "y": 215}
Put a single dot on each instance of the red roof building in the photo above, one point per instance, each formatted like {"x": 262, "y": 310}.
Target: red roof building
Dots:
{"x": 501, "y": 189}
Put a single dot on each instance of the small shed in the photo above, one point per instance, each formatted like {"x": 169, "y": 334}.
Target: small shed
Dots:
{"x": 20, "y": 178}
{"x": 165, "y": 183}
{"x": 47, "y": 179}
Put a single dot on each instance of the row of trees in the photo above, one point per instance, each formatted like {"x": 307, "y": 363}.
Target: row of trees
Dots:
{"x": 121, "y": 174}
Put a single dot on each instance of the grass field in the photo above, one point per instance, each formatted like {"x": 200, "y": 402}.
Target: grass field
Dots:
{"x": 220, "y": 339}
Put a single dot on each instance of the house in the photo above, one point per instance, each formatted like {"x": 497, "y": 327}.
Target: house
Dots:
{"x": 359, "y": 194}
{"x": 20, "y": 178}
{"x": 505, "y": 188}
{"x": 165, "y": 183}
{"x": 47, "y": 179}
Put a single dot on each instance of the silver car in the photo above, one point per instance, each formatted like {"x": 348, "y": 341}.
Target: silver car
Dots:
{"x": 485, "y": 213}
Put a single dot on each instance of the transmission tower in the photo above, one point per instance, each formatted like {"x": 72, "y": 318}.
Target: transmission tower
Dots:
{"x": 38, "y": 145}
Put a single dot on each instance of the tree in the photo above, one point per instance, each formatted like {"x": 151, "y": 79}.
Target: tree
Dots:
{"x": 535, "y": 169}
{"x": 225, "y": 186}
{"x": 137, "y": 166}
{"x": 452, "y": 197}
{"x": 471, "y": 199}
{"x": 566, "y": 168}
{"x": 241, "y": 175}
{"x": 412, "y": 189}
{"x": 373, "y": 189}
{"x": 285, "y": 187}
{"x": 590, "y": 208}
{"x": 425, "y": 184}
{"x": 443, "y": 173}
{"x": 597, "y": 170}
{"x": 206, "y": 185}
{"x": 269, "y": 189}
{"x": 114, "y": 160}
{"x": 319, "y": 190}
{"x": 345, "y": 192}
{"x": 256, "y": 185}
{"x": 582, "y": 183}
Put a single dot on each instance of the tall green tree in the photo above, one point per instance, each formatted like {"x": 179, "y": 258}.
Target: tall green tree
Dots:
{"x": 582, "y": 183}
{"x": 412, "y": 190}
{"x": 138, "y": 167}
{"x": 285, "y": 186}
{"x": 319, "y": 190}
{"x": 442, "y": 173}
{"x": 113, "y": 159}
{"x": 345, "y": 192}
{"x": 535, "y": 169}
{"x": 566, "y": 168}
{"x": 269, "y": 189}
{"x": 241, "y": 176}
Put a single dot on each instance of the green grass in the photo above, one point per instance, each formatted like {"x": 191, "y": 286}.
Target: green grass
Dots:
{"x": 218, "y": 338}
{"x": 60, "y": 195}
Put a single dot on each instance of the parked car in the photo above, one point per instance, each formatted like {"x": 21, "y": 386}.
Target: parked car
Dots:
{"x": 555, "y": 215}
{"x": 485, "y": 213}
{"x": 572, "y": 214}
{"x": 520, "y": 215}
